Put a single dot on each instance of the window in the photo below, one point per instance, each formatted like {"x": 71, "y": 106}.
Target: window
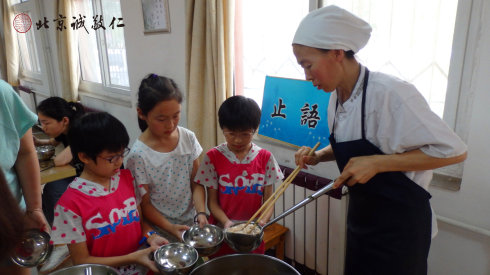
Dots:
{"x": 103, "y": 63}
{"x": 412, "y": 40}
{"x": 264, "y": 46}
{"x": 33, "y": 67}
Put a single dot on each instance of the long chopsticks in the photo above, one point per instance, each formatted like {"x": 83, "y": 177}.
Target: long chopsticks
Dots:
{"x": 284, "y": 185}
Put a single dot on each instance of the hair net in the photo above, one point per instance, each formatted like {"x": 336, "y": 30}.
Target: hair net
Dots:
{"x": 333, "y": 28}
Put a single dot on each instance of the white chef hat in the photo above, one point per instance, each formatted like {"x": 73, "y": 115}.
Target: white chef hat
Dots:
{"x": 333, "y": 28}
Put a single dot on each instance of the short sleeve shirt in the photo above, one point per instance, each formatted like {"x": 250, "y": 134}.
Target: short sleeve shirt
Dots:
{"x": 106, "y": 219}
{"x": 240, "y": 184}
{"x": 397, "y": 119}
{"x": 168, "y": 176}
{"x": 15, "y": 120}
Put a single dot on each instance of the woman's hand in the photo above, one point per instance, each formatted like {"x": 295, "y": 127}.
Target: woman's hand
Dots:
{"x": 302, "y": 159}
{"x": 358, "y": 170}
{"x": 142, "y": 257}
{"x": 35, "y": 219}
{"x": 156, "y": 240}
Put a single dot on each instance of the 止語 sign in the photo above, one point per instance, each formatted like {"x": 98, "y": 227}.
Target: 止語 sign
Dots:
{"x": 295, "y": 112}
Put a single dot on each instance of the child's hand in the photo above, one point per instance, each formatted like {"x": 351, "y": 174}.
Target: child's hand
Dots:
{"x": 178, "y": 229}
{"x": 202, "y": 220}
{"x": 263, "y": 222}
{"x": 156, "y": 240}
{"x": 228, "y": 223}
{"x": 142, "y": 257}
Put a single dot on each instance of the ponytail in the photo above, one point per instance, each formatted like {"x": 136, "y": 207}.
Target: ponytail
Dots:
{"x": 58, "y": 108}
{"x": 78, "y": 110}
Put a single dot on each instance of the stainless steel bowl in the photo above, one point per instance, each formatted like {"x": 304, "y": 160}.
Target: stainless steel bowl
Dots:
{"x": 245, "y": 264}
{"x": 206, "y": 240}
{"x": 175, "y": 258}
{"x": 84, "y": 269}
{"x": 34, "y": 249}
{"x": 45, "y": 152}
{"x": 243, "y": 243}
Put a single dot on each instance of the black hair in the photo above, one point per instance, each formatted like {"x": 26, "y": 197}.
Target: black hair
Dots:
{"x": 153, "y": 90}
{"x": 11, "y": 220}
{"x": 95, "y": 132}
{"x": 58, "y": 108}
{"x": 349, "y": 54}
{"x": 239, "y": 113}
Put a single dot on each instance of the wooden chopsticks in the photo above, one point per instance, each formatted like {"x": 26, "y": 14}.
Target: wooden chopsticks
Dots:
{"x": 266, "y": 206}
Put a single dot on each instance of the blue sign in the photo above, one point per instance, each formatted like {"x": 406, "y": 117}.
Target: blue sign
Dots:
{"x": 294, "y": 112}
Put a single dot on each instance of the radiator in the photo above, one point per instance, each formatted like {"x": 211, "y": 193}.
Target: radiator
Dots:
{"x": 315, "y": 243}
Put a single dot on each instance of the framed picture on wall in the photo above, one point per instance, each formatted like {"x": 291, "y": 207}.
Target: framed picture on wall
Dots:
{"x": 155, "y": 16}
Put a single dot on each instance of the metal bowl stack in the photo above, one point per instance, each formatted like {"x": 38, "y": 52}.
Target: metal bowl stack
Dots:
{"x": 45, "y": 152}
{"x": 206, "y": 240}
{"x": 175, "y": 258}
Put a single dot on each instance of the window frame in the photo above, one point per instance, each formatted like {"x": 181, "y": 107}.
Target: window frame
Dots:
{"x": 39, "y": 82}
{"x": 104, "y": 91}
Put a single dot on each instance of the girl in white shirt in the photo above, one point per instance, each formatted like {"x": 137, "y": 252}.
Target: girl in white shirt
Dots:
{"x": 164, "y": 160}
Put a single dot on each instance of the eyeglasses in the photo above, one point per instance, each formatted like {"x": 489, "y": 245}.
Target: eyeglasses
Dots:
{"x": 242, "y": 135}
{"x": 116, "y": 158}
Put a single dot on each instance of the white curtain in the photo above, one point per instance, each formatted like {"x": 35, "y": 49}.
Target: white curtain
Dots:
{"x": 209, "y": 65}
{"x": 10, "y": 52}
{"x": 68, "y": 58}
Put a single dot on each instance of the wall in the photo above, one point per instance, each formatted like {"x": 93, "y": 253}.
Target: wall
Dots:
{"x": 457, "y": 250}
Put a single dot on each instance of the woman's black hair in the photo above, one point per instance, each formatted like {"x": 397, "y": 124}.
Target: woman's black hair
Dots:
{"x": 58, "y": 108}
{"x": 95, "y": 132}
{"x": 349, "y": 54}
{"x": 239, "y": 113}
{"x": 153, "y": 90}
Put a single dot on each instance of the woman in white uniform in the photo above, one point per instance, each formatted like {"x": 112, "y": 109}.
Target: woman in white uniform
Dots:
{"x": 385, "y": 140}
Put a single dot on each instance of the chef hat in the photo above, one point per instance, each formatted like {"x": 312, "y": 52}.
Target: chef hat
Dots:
{"x": 333, "y": 28}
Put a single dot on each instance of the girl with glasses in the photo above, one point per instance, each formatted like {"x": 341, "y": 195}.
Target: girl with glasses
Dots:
{"x": 98, "y": 216}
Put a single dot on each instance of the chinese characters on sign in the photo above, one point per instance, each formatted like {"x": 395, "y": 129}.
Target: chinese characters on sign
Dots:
{"x": 310, "y": 116}
{"x": 75, "y": 24}
{"x": 294, "y": 112}
{"x": 277, "y": 111}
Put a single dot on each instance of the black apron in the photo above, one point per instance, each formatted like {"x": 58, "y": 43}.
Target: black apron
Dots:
{"x": 389, "y": 217}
